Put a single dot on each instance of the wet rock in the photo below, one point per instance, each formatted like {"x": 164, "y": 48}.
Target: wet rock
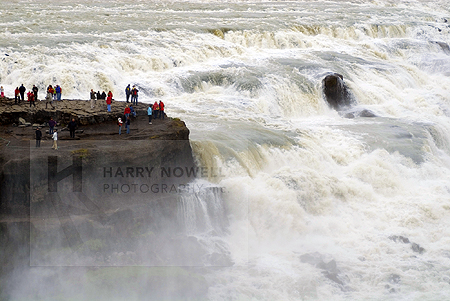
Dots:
{"x": 349, "y": 115}
{"x": 337, "y": 94}
{"x": 399, "y": 238}
{"x": 367, "y": 113}
{"x": 21, "y": 120}
{"x": 416, "y": 248}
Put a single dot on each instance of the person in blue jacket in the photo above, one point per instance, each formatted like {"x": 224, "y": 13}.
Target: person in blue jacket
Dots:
{"x": 58, "y": 92}
{"x": 149, "y": 113}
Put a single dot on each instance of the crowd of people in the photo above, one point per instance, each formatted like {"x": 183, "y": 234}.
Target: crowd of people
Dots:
{"x": 154, "y": 111}
{"x": 53, "y": 93}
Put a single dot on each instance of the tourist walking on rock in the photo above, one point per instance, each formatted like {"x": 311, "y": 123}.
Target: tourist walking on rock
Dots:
{"x": 55, "y": 140}
{"x": 127, "y": 124}
{"x": 149, "y": 113}
{"x": 38, "y": 134}
{"x": 22, "y": 90}
{"x": 92, "y": 98}
{"x": 51, "y": 125}
{"x": 155, "y": 110}
{"x": 120, "y": 123}
{"x": 58, "y": 91}
{"x": 128, "y": 92}
{"x": 35, "y": 92}
{"x": 16, "y": 95}
{"x": 72, "y": 127}
{"x": 161, "y": 110}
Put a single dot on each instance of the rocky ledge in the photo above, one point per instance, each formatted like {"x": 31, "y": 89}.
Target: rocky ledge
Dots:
{"x": 18, "y": 121}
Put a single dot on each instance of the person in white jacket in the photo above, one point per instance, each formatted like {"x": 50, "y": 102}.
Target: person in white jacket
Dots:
{"x": 55, "y": 139}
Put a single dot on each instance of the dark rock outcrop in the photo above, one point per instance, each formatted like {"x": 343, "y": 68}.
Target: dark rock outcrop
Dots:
{"x": 336, "y": 92}
{"x": 135, "y": 221}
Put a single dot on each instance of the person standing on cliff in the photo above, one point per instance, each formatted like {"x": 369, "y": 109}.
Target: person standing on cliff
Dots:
{"x": 31, "y": 99}
{"x": 58, "y": 91}
{"x": 35, "y": 92}
{"x": 128, "y": 92}
{"x": 149, "y": 113}
{"x": 16, "y": 95}
{"x": 51, "y": 125}
{"x": 38, "y": 137}
{"x": 161, "y": 110}
{"x": 134, "y": 95}
{"x": 92, "y": 98}
{"x": 155, "y": 110}
{"x": 49, "y": 97}
{"x": 22, "y": 90}
{"x": 2, "y": 92}
{"x": 119, "y": 123}
{"x": 72, "y": 127}
{"x": 55, "y": 140}
{"x": 109, "y": 101}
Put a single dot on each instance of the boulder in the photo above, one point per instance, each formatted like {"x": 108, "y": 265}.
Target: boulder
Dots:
{"x": 337, "y": 94}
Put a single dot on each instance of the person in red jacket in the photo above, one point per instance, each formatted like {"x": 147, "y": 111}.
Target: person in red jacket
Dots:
{"x": 30, "y": 96}
{"x": 127, "y": 112}
{"x": 16, "y": 95}
{"x": 161, "y": 110}
{"x": 155, "y": 110}
{"x": 109, "y": 101}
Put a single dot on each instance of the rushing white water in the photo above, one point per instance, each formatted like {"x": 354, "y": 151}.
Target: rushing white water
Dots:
{"x": 300, "y": 178}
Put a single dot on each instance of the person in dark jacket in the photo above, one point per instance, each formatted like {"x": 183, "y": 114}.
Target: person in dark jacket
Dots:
{"x": 72, "y": 127}
{"x": 38, "y": 137}
{"x": 22, "y": 90}
{"x": 128, "y": 92}
{"x": 51, "y": 125}
{"x": 35, "y": 91}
